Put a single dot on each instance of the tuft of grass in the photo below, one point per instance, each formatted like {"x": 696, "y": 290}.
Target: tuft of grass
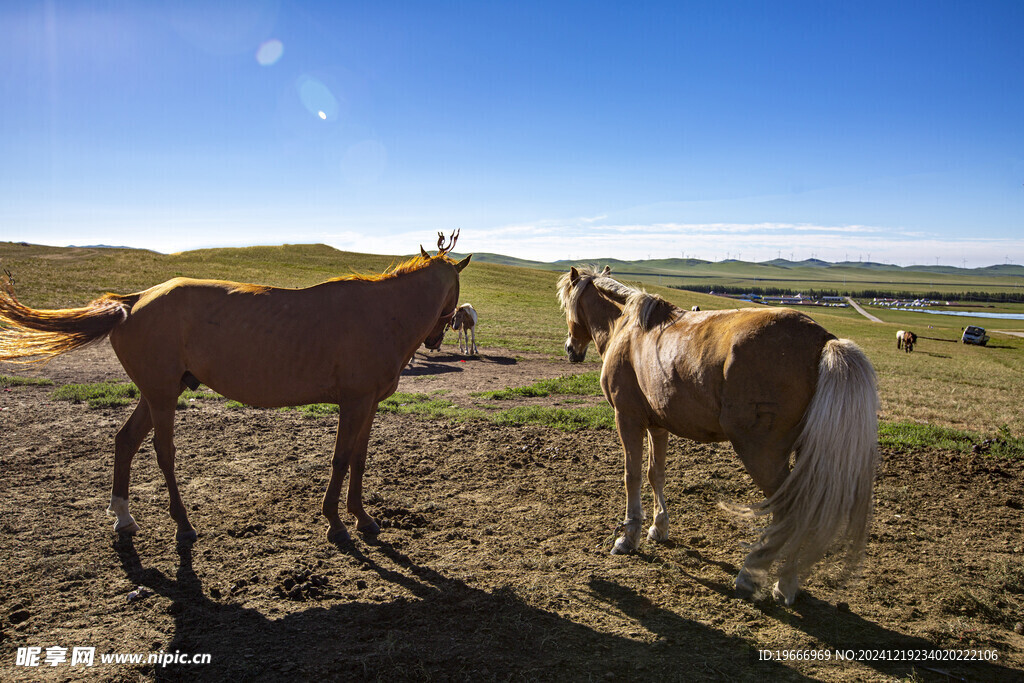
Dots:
{"x": 98, "y": 394}
{"x": 426, "y": 406}
{"x": 11, "y": 381}
{"x": 115, "y": 394}
{"x": 585, "y": 384}
{"x": 912, "y": 435}
{"x": 571, "y": 420}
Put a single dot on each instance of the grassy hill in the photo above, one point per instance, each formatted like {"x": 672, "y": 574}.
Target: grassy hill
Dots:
{"x": 801, "y": 275}
{"x": 941, "y": 383}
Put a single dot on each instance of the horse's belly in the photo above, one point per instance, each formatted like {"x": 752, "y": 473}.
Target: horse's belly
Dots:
{"x": 690, "y": 420}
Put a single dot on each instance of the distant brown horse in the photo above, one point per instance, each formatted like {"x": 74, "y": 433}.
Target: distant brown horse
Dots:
{"x": 769, "y": 381}
{"x": 344, "y": 341}
{"x": 905, "y": 340}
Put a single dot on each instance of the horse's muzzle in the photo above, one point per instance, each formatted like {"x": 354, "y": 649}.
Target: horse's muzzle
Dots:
{"x": 434, "y": 344}
{"x": 574, "y": 355}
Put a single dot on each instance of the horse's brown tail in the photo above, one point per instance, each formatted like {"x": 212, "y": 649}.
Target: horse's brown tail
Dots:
{"x": 828, "y": 495}
{"x": 28, "y": 335}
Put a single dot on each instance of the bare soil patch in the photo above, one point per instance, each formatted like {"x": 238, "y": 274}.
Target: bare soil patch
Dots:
{"x": 493, "y": 560}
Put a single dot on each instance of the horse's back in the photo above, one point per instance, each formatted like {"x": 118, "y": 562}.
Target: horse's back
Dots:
{"x": 708, "y": 371}
{"x": 259, "y": 345}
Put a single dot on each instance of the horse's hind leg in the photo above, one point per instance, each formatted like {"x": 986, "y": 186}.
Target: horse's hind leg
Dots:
{"x": 163, "y": 443}
{"x": 126, "y": 445}
{"x": 658, "y": 445}
{"x": 768, "y": 467}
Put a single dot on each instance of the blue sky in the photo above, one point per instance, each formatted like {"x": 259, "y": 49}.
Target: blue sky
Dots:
{"x": 546, "y": 130}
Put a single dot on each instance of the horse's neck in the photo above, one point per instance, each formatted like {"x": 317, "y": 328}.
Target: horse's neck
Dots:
{"x": 420, "y": 293}
{"x": 602, "y": 314}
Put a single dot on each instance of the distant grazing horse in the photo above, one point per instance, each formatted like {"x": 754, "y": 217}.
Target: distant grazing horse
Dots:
{"x": 695, "y": 308}
{"x": 770, "y": 381}
{"x": 905, "y": 340}
{"x": 464, "y": 324}
{"x": 344, "y": 341}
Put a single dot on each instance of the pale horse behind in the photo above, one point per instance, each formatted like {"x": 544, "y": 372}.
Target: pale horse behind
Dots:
{"x": 464, "y": 323}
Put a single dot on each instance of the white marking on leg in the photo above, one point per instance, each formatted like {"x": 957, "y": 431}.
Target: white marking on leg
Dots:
{"x": 125, "y": 523}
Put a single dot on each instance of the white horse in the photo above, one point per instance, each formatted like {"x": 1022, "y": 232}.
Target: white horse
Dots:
{"x": 464, "y": 324}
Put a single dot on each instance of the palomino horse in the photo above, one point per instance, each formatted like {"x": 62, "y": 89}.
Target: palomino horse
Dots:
{"x": 770, "y": 381}
{"x": 905, "y": 340}
{"x": 464, "y": 323}
{"x": 344, "y": 341}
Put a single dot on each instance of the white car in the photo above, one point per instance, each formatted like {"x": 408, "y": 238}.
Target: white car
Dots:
{"x": 974, "y": 335}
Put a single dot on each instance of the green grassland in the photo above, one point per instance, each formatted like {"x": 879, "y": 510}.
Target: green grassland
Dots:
{"x": 943, "y": 383}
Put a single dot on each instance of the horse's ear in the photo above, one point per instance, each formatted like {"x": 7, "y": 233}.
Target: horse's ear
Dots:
{"x": 574, "y": 275}
{"x": 423, "y": 252}
{"x": 607, "y": 269}
{"x": 462, "y": 264}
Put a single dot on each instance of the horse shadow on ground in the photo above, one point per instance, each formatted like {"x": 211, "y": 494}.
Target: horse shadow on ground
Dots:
{"x": 445, "y": 630}
{"x": 442, "y": 363}
{"x": 873, "y": 645}
{"x": 434, "y": 364}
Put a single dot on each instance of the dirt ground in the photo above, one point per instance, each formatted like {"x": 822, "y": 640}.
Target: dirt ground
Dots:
{"x": 492, "y": 563}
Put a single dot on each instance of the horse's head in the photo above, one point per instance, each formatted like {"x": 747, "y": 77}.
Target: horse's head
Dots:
{"x": 436, "y": 336}
{"x": 570, "y": 287}
{"x": 451, "y": 270}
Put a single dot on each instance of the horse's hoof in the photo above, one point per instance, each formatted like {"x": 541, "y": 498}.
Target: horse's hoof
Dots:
{"x": 339, "y": 537}
{"x": 371, "y": 529}
{"x": 189, "y": 536}
{"x": 657, "y": 535}
{"x": 129, "y": 529}
{"x": 781, "y": 596}
{"x": 622, "y": 547}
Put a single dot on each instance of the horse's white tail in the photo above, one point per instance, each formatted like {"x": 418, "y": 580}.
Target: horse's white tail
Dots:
{"x": 827, "y": 497}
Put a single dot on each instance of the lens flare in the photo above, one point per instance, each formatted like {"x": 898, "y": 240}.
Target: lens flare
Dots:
{"x": 317, "y": 98}
{"x": 269, "y": 52}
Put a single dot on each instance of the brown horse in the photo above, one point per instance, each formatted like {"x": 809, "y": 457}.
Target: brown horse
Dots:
{"x": 905, "y": 340}
{"x": 344, "y": 341}
{"x": 770, "y": 381}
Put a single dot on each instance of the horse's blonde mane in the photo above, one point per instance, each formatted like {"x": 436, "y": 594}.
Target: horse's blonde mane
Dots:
{"x": 649, "y": 310}
{"x": 569, "y": 293}
{"x": 645, "y": 309}
{"x": 413, "y": 264}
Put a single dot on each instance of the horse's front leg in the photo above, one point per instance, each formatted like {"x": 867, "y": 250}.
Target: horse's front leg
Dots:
{"x": 658, "y": 446}
{"x": 631, "y": 433}
{"x": 350, "y": 455}
{"x": 163, "y": 444}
